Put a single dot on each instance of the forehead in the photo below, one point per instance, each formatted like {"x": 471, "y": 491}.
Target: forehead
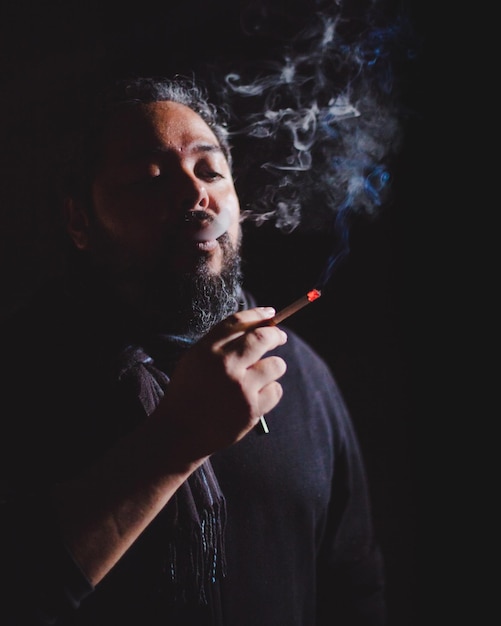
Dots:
{"x": 158, "y": 125}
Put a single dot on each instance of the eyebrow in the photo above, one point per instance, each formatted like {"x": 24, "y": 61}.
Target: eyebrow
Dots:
{"x": 207, "y": 147}
{"x": 197, "y": 148}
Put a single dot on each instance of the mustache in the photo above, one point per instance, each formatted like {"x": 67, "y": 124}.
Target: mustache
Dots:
{"x": 205, "y": 225}
{"x": 119, "y": 263}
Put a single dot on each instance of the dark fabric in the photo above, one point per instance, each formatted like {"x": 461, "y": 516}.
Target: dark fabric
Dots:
{"x": 300, "y": 547}
{"x": 196, "y": 548}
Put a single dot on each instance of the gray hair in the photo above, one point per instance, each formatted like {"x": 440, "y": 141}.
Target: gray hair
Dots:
{"x": 84, "y": 149}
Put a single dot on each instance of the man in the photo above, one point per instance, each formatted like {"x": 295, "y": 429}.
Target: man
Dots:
{"x": 138, "y": 486}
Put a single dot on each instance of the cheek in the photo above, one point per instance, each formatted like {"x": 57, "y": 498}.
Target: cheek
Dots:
{"x": 231, "y": 204}
{"x": 110, "y": 210}
{"x": 124, "y": 218}
{"x": 234, "y": 233}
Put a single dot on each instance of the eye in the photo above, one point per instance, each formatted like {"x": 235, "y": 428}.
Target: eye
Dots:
{"x": 205, "y": 172}
{"x": 213, "y": 175}
{"x": 146, "y": 181}
{"x": 144, "y": 175}
{"x": 210, "y": 168}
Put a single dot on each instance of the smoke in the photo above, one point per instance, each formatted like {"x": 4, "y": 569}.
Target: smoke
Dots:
{"x": 318, "y": 122}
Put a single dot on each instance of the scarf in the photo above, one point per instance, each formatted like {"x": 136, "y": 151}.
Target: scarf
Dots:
{"x": 197, "y": 512}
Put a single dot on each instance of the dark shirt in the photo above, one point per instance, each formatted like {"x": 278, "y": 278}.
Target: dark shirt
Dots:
{"x": 300, "y": 547}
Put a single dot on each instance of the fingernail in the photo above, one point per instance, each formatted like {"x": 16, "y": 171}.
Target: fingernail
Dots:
{"x": 268, "y": 311}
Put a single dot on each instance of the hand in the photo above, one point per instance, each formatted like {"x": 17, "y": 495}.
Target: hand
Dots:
{"x": 222, "y": 385}
{"x": 216, "y": 395}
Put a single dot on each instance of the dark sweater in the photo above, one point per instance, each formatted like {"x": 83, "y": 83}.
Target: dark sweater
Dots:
{"x": 300, "y": 548}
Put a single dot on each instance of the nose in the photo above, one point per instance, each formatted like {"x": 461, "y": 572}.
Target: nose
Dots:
{"x": 192, "y": 194}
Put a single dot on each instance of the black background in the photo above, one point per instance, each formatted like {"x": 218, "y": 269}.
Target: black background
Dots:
{"x": 365, "y": 324}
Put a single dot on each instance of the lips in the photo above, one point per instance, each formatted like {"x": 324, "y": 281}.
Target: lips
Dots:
{"x": 206, "y": 246}
{"x": 204, "y": 227}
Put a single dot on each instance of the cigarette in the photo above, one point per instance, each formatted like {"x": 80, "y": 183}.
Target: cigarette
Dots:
{"x": 298, "y": 304}
{"x": 283, "y": 314}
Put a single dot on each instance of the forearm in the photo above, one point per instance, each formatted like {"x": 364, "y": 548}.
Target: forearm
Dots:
{"x": 104, "y": 510}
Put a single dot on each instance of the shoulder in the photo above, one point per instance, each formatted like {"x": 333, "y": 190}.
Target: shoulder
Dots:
{"x": 309, "y": 380}
{"x": 303, "y": 360}
{"x": 296, "y": 346}
{"x": 39, "y": 317}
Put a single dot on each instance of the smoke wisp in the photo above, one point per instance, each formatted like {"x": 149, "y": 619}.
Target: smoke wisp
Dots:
{"x": 319, "y": 121}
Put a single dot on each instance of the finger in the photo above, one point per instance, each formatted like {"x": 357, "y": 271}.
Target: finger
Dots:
{"x": 248, "y": 348}
{"x": 269, "y": 396}
{"x": 265, "y": 371}
{"x": 237, "y": 323}
{"x": 261, "y": 378}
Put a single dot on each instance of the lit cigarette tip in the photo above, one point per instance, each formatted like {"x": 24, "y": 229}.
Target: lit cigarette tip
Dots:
{"x": 311, "y": 296}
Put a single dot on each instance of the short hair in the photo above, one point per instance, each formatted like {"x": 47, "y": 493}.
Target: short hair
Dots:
{"x": 84, "y": 150}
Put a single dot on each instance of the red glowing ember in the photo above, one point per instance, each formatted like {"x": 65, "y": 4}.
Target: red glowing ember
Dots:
{"x": 311, "y": 296}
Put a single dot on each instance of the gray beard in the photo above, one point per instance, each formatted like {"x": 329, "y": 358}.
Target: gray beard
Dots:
{"x": 188, "y": 304}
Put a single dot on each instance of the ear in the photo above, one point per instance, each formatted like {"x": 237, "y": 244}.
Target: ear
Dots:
{"x": 77, "y": 223}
